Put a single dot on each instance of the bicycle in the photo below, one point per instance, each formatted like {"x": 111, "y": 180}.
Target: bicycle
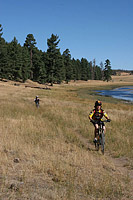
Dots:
{"x": 37, "y": 104}
{"x": 100, "y": 136}
{"x": 37, "y": 100}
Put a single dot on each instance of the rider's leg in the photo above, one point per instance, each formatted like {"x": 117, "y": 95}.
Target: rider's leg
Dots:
{"x": 96, "y": 131}
{"x": 104, "y": 129}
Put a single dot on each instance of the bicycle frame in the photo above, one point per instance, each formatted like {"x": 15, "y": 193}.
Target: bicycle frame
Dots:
{"x": 37, "y": 104}
{"x": 100, "y": 136}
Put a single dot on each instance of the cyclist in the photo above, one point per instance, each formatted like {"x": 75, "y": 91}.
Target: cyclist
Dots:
{"x": 36, "y": 100}
{"x": 96, "y": 115}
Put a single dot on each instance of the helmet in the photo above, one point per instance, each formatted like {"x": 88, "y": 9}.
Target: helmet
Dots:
{"x": 98, "y": 103}
{"x": 36, "y": 96}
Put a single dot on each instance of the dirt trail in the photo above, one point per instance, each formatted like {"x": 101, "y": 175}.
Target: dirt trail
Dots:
{"x": 123, "y": 165}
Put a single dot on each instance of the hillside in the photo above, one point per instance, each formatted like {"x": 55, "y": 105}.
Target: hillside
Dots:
{"x": 48, "y": 153}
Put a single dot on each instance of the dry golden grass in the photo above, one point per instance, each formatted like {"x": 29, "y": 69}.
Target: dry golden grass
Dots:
{"x": 44, "y": 152}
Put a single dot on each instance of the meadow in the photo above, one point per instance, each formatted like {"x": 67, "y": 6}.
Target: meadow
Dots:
{"x": 48, "y": 153}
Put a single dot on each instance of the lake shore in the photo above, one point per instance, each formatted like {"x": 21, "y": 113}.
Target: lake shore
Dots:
{"x": 123, "y": 93}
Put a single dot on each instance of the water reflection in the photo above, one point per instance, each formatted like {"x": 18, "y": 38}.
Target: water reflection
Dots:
{"x": 125, "y": 93}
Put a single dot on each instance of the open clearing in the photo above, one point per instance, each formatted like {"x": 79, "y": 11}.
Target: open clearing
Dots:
{"x": 48, "y": 153}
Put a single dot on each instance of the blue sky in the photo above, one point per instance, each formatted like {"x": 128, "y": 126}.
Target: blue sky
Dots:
{"x": 91, "y": 29}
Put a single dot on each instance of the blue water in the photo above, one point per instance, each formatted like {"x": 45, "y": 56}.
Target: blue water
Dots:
{"x": 125, "y": 93}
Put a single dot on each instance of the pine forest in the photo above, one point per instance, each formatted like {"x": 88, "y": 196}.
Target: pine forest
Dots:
{"x": 20, "y": 63}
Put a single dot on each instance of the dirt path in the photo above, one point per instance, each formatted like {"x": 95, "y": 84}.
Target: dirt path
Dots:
{"x": 123, "y": 165}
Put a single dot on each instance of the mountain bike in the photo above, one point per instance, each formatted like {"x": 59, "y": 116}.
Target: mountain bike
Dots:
{"x": 37, "y": 104}
{"x": 100, "y": 136}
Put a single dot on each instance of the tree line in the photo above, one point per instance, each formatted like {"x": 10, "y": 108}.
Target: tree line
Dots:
{"x": 20, "y": 63}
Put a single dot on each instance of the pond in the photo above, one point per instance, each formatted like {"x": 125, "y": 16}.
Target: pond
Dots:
{"x": 125, "y": 93}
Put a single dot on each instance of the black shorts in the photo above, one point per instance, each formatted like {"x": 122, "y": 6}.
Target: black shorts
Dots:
{"x": 97, "y": 122}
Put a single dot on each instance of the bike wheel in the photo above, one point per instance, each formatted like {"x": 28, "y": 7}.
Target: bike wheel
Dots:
{"x": 97, "y": 145}
{"x": 102, "y": 141}
{"x": 37, "y": 105}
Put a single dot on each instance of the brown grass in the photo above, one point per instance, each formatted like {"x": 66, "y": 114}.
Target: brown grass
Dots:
{"x": 44, "y": 152}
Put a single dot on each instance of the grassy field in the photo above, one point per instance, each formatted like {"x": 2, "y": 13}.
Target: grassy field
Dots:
{"x": 48, "y": 153}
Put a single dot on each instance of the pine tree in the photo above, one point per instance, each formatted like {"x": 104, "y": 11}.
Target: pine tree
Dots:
{"x": 107, "y": 71}
{"x": 78, "y": 69}
{"x": 30, "y": 44}
{"x": 25, "y": 64}
{"x": 98, "y": 73}
{"x": 39, "y": 71}
{"x": 68, "y": 65}
{"x": 84, "y": 69}
{"x": 55, "y": 68}
{"x": 91, "y": 71}
{"x": 15, "y": 60}
{"x": 3, "y": 56}
{"x": 73, "y": 62}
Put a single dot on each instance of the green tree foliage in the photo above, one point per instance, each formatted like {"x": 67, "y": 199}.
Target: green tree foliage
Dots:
{"x": 107, "y": 70}
{"x": 25, "y": 64}
{"x": 3, "y": 56}
{"x": 73, "y": 61}
{"x": 28, "y": 62}
{"x": 14, "y": 60}
{"x": 55, "y": 68}
{"x": 78, "y": 69}
{"x": 98, "y": 73}
{"x": 39, "y": 71}
{"x": 91, "y": 71}
{"x": 67, "y": 65}
{"x": 30, "y": 43}
{"x": 84, "y": 69}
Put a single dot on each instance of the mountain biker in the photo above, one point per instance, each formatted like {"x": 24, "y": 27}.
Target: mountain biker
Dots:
{"x": 96, "y": 115}
{"x": 37, "y": 100}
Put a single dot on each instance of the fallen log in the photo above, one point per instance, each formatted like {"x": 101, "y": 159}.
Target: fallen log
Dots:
{"x": 42, "y": 88}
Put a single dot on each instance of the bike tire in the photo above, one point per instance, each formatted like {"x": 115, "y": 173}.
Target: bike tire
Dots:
{"x": 97, "y": 148}
{"x": 97, "y": 145}
{"x": 102, "y": 138}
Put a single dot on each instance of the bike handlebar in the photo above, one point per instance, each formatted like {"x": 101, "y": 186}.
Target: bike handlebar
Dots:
{"x": 97, "y": 122}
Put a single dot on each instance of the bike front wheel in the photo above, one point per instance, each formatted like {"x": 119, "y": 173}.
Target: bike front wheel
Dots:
{"x": 102, "y": 141}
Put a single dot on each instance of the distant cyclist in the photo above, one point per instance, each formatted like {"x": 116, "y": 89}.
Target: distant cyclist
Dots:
{"x": 37, "y": 100}
{"x": 96, "y": 115}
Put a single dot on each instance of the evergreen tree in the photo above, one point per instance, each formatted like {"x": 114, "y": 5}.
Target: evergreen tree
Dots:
{"x": 73, "y": 62}
{"x": 3, "y": 56}
{"x": 25, "y": 64}
{"x": 84, "y": 69}
{"x": 107, "y": 71}
{"x": 30, "y": 44}
{"x": 98, "y": 73}
{"x": 78, "y": 69}
{"x": 55, "y": 68}
{"x": 67, "y": 65}
{"x": 14, "y": 60}
{"x": 39, "y": 71}
{"x": 59, "y": 69}
{"x": 91, "y": 71}
{"x": 94, "y": 69}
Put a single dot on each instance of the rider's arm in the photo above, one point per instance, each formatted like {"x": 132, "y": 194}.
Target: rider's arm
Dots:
{"x": 105, "y": 115}
{"x": 91, "y": 115}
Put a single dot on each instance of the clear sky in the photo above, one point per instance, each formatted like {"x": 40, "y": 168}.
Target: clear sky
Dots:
{"x": 91, "y": 29}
